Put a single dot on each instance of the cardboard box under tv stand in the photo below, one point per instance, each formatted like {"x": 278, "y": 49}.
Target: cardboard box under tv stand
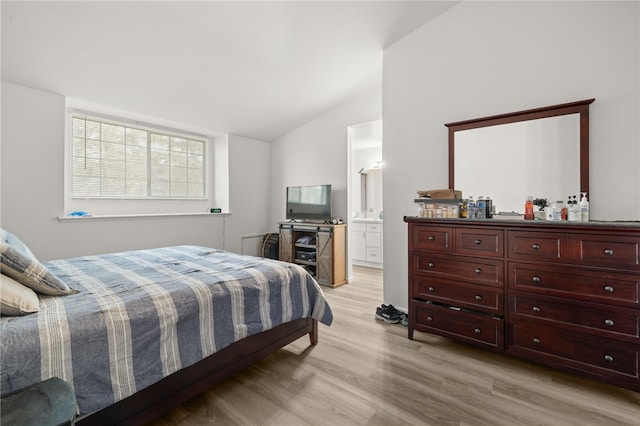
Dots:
{"x": 318, "y": 247}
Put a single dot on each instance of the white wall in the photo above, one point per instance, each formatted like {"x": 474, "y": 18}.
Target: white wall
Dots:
{"x": 250, "y": 196}
{"x": 32, "y": 178}
{"x": 33, "y": 166}
{"x": 317, "y": 153}
{"x": 485, "y": 58}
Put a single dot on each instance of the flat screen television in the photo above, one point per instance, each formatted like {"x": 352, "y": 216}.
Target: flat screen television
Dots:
{"x": 309, "y": 203}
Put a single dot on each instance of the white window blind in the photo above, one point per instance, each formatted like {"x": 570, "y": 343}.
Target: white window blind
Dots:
{"x": 118, "y": 160}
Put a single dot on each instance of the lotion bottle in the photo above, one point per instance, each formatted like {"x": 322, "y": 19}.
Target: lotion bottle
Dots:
{"x": 574, "y": 210}
{"x": 584, "y": 208}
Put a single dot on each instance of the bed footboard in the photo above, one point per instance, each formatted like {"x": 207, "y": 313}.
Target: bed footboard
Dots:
{"x": 183, "y": 385}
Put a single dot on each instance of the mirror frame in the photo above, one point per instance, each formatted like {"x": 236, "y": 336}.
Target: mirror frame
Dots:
{"x": 578, "y": 107}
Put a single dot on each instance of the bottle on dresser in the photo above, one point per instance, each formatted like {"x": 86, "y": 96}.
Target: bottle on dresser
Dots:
{"x": 554, "y": 213}
{"x": 489, "y": 203}
{"x": 584, "y": 208}
{"x": 462, "y": 210}
{"x": 573, "y": 209}
{"x": 471, "y": 208}
{"x": 528, "y": 208}
{"x": 481, "y": 208}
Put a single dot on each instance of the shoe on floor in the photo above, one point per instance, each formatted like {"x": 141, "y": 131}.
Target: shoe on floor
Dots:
{"x": 392, "y": 310}
{"x": 405, "y": 320}
{"x": 388, "y": 314}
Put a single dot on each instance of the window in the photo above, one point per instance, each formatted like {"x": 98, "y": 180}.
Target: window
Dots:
{"x": 119, "y": 160}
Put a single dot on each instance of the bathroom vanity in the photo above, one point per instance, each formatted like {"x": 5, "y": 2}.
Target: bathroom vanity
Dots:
{"x": 366, "y": 242}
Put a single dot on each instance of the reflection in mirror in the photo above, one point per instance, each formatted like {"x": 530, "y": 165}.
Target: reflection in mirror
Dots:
{"x": 509, "y": 162}
{"x": 542, "y": 152}
{"x": 371, "y": 192}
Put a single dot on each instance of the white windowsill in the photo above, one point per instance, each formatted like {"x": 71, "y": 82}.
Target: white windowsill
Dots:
{"x": 135, "y": 216}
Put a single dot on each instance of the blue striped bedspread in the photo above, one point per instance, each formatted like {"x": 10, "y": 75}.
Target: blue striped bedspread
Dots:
{"x": 141, "y": 315}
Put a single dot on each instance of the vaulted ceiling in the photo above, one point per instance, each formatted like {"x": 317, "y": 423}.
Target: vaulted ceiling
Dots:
{"x": 256, "y": 69}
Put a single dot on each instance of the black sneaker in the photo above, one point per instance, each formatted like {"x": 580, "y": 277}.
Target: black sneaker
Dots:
{"x": 388, "y": 314}
{"x": 392, "y": 310}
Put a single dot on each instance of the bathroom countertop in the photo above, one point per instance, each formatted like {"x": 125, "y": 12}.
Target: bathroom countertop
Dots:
{"x": 366, "y": 220}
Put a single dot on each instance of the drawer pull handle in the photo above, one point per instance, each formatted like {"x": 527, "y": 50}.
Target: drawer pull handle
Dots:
{"x": 536, "y": 279}
{"x": 535, "y": 246}
{"x": 431, "y": 289}
{"x": 608, "y": 358}
{"x": 608, "y": 322}
{"x": 478, "y": 271}
{"x": 536, "y": 309}
{"x": 536, "y": 340}
{"x": 432, "y": 238}
{"x": 608, "y": 252}
{"x": 608, "y": 289}
{"x": 478, "y": 242}
{"x": 431, "y": 265}
{"x": 477, "y": 331}
{"x": 478, "y": 297}
{"x": 429, "y": 318}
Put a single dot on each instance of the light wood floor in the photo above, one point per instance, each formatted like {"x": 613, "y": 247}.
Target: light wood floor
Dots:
{"x": 366, "y": 372}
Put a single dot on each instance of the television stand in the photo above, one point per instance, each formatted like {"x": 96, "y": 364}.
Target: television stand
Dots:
{"x": 318, "y": 247}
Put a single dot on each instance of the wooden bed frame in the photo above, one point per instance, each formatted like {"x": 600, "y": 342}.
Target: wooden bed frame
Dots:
{"x": 183, "y": 385}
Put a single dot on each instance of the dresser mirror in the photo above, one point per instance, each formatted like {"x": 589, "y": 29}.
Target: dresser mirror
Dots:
{"x": 542, "y": 152}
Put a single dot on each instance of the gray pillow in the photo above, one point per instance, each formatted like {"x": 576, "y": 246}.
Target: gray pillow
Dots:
{"x": 20, "y": 264}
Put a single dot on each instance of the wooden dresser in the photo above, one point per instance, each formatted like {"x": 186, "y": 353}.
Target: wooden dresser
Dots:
{"x": 566, "y": 295}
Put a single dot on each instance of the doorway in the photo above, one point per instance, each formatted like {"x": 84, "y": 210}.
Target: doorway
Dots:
{"x": 364, "y": 195}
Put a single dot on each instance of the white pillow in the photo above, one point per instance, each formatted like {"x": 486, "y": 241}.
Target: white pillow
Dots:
{"x": 16, "y": 299}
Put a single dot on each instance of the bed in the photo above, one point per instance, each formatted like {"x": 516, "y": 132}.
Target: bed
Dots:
{"x": 139, "y": 332}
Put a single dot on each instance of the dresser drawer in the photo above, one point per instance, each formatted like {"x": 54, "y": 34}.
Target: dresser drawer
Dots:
{"x": 479, "y": 330}
{"x": 607, "y": 250}
{"x": 537, "y": 246}
{"x": 576, "y": 283}
{"x": 468, "y": 269}
{"x": 472, "y": 296}
{"x": 595, "y": 354}
{"x": 479, "y": 242}
{"x": 432, "y": 238}
{"x": 614, "y": 251}
{"x": 590, "y": 317}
